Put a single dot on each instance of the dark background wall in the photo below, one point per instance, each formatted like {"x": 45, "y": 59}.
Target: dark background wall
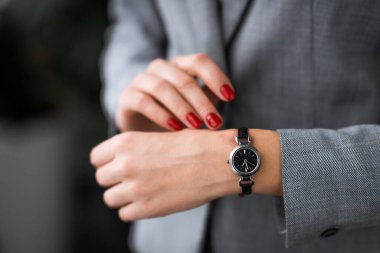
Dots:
{"x": 50, "y": 117}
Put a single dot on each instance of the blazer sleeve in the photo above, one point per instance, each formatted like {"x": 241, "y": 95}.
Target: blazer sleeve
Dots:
{"x": 135, "y": 38}
{"x": 331, "y": 182}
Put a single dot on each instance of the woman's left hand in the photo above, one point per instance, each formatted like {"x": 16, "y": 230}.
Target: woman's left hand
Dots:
{"x": 155, "y": 174}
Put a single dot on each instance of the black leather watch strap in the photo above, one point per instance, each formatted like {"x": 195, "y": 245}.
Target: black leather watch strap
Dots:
{"x": 242, "y": 132}
{"x": 246, "y": 185}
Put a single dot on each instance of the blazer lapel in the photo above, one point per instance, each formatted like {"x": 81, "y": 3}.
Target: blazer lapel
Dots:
{"x": 212, "y": 35}
{"x": 233, "y": 13}
{"x": 204, "y": 20}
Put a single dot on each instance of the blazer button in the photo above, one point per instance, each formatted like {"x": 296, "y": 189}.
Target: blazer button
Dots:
{"x": 329, "y": 232}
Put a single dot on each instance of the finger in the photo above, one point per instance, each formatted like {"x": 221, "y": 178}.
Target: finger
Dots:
{"x": 209, "y": 72}
{"x": 211, "y": 96}
{"x": 132, "y": 212}
{"x": 169, "y": 96}
{"x": 107, "y": 174}
{"x": 188, "y": 88}
{"x": 118, "y": 196}
{"x": 143, "y": 103}
{"x": 103, "y": 153}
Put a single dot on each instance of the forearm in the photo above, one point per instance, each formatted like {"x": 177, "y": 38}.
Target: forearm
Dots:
{"x": 268, "y": 179}
{"x": 188, "y": 169}
{"x": 334, "y": 175}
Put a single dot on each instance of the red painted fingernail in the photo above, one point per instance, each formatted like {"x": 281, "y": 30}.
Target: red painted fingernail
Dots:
{"x": 213, "y": 120}
{"x": 173, "y": 123}
{"x": 193, "y": 120}
{"x": 227, "y": 92}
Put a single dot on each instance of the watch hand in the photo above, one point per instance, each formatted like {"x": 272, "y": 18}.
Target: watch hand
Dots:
{"x": 246, "y": 165}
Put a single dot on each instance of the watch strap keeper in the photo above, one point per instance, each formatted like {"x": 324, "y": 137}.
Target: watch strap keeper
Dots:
{"x": 246, "y": 184}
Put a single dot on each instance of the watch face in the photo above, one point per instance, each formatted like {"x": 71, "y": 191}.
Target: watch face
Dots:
{"x": 246, "y": 160}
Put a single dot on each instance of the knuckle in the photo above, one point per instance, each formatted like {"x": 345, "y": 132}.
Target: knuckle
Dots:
{"x": 125, "y": 157}
{"x": 125, "y": 95}
{"x": 145, "y": 208}
{"x": 109, "y": 198}
{"x": 122, "y": 168}
{"x": 120, "y": 119}
{"x": 123, "y": 142}
{"x": 100, "y": 178}
{"x": 134, "y": 191}
{"x": 127, "y": 167}
{"x": 126, "y": 137}
{"x": 186, "y": 83}
{"x": 205, "y": 106}
{"x": 143, "y": 101}
{"x": 155, "y": 63}
{"x": 138, "y": 78}
{"x": 150, "y": 209}
{"x": 123, "y": 100}
{"x": 128, "y": 215}
{"x": 160, "y": 86}
{"x": 200, "y": 57}
{"x": 92, "y": 157}
{"x": 119, "y": 144}
{"x": 123, "y": 216}
{"x": 135, "y": 83}
{"x": 205, "y": 109}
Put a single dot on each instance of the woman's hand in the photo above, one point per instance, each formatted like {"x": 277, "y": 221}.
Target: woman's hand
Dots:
{"x": 168, "y": 95}
{"x": 155, "y": 174}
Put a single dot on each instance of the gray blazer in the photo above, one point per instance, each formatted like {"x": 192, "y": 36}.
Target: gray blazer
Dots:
{"x": 309, "y": 69}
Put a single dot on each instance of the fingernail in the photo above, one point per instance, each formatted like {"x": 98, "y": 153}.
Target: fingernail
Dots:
{"x": 175, "y": 124}
{"x": 213, "y": 120}
{"x": 227, "y": 92}
{"x": 193, "y": 120}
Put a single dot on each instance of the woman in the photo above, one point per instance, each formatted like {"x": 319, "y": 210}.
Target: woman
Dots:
{"x": 302, "y": 75}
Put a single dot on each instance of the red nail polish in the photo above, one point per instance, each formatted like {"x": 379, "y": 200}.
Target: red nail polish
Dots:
{"x": 227, "y": 92}
{"x": 173, "y": 123}
{"x": 213, "y": 120}
{"x": 193, "y": 120}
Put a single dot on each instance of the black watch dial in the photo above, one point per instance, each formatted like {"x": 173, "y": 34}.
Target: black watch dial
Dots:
{"x": 245, "y": 160}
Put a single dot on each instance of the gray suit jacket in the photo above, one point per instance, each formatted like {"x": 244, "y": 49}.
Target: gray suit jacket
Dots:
{"x": 311, "y": 70}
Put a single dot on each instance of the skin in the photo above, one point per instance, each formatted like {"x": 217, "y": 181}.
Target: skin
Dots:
{"x": 168, "y": 89}
{"x": 152, "y": 174}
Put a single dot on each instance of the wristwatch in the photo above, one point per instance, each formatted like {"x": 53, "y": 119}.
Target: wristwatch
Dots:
{"x": 244, "y": 161}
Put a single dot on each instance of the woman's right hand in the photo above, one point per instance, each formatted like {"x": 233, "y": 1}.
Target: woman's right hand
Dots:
{"x": 167, "y": 95}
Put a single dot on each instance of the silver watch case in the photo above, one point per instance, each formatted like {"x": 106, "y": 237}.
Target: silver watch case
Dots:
{"x": 231, "y": 161}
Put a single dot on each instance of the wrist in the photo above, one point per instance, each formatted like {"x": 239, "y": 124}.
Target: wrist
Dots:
{"x": 268, "y": 179}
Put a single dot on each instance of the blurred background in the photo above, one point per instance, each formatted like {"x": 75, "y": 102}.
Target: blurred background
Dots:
{"x": 50, "y": 118}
